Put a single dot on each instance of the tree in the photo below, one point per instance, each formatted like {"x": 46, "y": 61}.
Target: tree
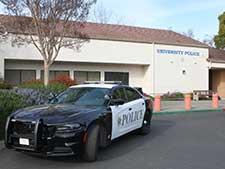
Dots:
{"x": 103, "y": 15}
{"x": 220, "y": 38}
{"x": 189, "y": 33}
{"x": 209, "y": 40}
{"x": 49, "y": 25}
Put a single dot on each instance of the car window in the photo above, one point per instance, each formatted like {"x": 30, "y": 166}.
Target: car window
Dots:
{"x": 83, "y": 96}
{"x": 119, "y": 94}
{"x": 132, "y": 94}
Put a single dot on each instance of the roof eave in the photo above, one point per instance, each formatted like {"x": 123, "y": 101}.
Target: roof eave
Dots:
{"x": 216, "y": 61}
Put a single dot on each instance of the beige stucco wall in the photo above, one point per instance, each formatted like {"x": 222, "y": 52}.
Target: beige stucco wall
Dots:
{"x": 95, "y": 51}
{"x": 218, "y": 82}
{"x": 167, "y": 74}
{"x": 96, "y": 55}
{"x": 155, "y": 72}
{"x": 136, "y": 72}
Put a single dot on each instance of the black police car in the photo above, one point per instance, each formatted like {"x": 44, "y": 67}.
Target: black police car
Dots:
{"x": 79, "y": 121}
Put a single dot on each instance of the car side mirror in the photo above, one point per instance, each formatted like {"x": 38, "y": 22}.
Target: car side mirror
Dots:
{"x": 52, "y": 98}
{"x": 117, "y": 102}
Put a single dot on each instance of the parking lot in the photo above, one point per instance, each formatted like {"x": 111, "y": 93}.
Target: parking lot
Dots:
{"x": 184, "y": 141}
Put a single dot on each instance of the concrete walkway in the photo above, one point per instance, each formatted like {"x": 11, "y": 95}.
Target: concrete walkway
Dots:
{"x": 174, "y": 106}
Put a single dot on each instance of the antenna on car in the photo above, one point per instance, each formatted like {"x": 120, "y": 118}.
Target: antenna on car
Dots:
{"x": 103, "y": 82}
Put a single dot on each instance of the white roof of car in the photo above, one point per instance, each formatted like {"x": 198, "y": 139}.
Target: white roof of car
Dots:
{"x": 107, "y": 86}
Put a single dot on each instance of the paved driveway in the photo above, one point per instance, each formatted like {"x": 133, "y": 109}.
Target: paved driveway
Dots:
{"x": 192, "y": 141}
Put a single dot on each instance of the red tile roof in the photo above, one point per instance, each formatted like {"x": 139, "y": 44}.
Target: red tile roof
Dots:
{"x": 216, "y": 55}
{"x": 138, "y": 34}
{"x": 125, "y": 33}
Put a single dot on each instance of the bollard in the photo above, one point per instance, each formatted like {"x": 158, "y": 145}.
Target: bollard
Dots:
{"x": 187, "y": 101}
{"x": 215, "y": 101}
{"x": 157, "y": 104}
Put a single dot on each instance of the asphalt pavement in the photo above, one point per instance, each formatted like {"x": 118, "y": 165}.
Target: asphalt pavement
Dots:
{"x": 183, "y": 141}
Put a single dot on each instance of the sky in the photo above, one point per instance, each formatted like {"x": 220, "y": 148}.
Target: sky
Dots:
{"x": 201, "y": 16}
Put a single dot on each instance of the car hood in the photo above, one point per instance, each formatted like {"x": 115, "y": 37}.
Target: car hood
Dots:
{"x": 56, "y": 114}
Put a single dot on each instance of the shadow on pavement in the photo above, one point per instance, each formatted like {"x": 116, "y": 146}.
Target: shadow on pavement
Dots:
{"x": 130, "y": 142}
{"x": 121, "y": 146}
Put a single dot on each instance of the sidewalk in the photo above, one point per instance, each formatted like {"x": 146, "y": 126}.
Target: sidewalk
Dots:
{"x": 178, "y": 106}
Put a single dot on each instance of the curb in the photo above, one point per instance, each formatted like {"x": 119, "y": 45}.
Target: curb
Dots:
{"x": 2, "y": 145}
{"x": 187, "y": 112}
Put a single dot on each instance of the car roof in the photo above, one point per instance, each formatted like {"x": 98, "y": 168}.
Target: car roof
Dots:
{"x": 107, "y": 86}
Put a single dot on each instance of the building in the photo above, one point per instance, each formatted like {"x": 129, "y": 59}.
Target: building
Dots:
{"x": 217, "y": 71}
{"x": 159, "y": 61}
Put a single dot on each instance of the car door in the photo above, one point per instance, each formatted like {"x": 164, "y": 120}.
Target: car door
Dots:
{"x": 137, "y": 108}
{"x": 118, "y": 111}
{"x": 130, "y": 115}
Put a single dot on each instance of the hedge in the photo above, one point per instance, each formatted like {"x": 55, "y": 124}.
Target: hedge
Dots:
{"x": 28, "y": 94}
{"x": 9, "y": 102}
{"x": 5, "y": 85}
{"x": 53, "y": 87}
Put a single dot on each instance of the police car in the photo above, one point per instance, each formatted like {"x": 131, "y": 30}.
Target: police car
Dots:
{"x": 79, "y": 121}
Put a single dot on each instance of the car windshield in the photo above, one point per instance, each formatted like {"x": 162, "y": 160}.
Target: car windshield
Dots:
{"x": 84, "y": 96}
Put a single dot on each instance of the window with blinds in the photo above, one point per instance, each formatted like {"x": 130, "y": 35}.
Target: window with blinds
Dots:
{"x": 117, "y": 76}
{"x": 54, "y": 73}
{"x": 82, "y": 76}
{"x": 16, "y": 77}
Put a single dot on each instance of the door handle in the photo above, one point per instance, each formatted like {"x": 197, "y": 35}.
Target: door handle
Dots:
{"x": 130, "y": 109}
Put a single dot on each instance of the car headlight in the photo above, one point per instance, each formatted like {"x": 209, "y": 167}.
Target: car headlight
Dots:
{"x": 68, "y": 127}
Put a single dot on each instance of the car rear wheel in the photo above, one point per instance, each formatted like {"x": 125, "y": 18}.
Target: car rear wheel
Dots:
{"x": 146, "y": 126}
{"x": 92, "y": 144}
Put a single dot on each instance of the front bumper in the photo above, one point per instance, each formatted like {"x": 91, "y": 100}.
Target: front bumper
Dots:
{"x": 42, "y": 138}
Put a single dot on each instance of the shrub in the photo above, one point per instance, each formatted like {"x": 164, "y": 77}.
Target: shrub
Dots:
{"x": 9, "y": 102}
{"x": 34, "y": 96}
{"x": 34, "y": 84}
{"x": 173, "y": 96}
{"x": 29, "y": 93}
{"x": 56, "y": 88}
{"x": 53, "y": 87}
{"x": 5, "y": 85}
{"x": 152, "y": 97}
{"x": 64, "y": 79}
{"x": 36, "y": 93}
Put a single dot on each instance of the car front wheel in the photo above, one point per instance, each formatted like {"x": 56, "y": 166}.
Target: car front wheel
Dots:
{"x": 92, "y": 144}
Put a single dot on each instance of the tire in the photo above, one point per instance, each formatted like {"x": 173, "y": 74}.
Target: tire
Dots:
{"x": 146, "y": 128}
{"x": 92, "y": 144}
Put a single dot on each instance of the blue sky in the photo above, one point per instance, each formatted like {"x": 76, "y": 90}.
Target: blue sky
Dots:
{"x": 198, "y": 15}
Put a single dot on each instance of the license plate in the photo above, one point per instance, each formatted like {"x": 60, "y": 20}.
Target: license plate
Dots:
{"x": 24, "y": 141}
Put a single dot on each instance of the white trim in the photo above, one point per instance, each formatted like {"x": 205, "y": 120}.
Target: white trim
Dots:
{"x": 217, "y": 65}
{"x": 102, "y": 76}
{"x": 71, "y": 74}
{"x": 38, "y": 73}
{"x": 2, "y": 68}
{"x": 107, "y": 86}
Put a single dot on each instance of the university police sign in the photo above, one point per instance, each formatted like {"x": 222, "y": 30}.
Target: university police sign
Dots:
{"x": 177, "y": 52}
